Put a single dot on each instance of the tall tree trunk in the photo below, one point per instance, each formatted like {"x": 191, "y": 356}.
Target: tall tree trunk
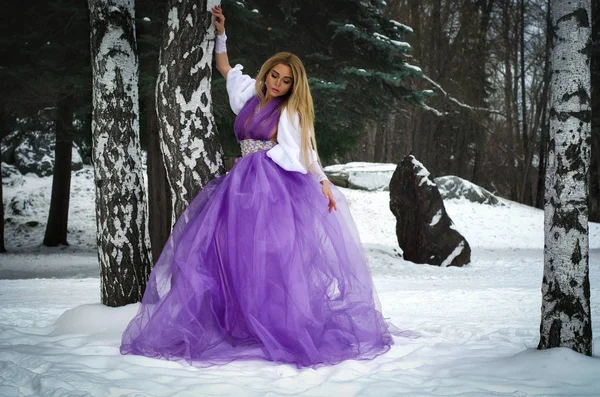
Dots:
{"x": 159, "y": 194}
{"x": 508, "y": 97}
{"x": 594, "y": 201}
{"x": 56, "y": 228}
{"x": 544, "y": 134}
{"x": 566, "y": 318}
{"x": 120, "y": 196}
{"x": 191, "y": 150}
{"x": 526, "y": 185}
{"x": 3, "y": 132}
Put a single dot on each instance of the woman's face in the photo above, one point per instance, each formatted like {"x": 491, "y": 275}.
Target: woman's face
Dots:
{"x": 279, "y": 81}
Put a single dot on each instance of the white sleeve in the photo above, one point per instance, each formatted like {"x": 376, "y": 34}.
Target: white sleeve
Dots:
{"x": 287, "y": 151}
{"x": 240, "y": 88}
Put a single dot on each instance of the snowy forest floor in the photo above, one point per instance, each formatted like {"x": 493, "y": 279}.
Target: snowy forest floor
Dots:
{"x": 477, "y": 326}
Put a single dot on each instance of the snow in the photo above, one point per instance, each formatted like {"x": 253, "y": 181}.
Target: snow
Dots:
{"x": 456, "y": 252}
{"x": 416, "y": 69}
{"x": 401, "y": 25}
{"x": 475, "y": 328}
{"x": 436, "y": 218}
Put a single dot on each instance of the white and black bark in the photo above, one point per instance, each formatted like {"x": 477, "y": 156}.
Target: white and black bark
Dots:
{"x": 58, "y": 218}
{"x": 594, "y": 201}
{"x": 565, "y": 319}
{"x": 120, "y": 196}
{"x": 191, "y": 150}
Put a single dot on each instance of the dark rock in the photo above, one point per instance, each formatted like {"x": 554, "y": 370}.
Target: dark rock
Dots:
{"x": 425, "y": 231}
{"x": 453, "y": 187}
{"x": 32, "y": 223}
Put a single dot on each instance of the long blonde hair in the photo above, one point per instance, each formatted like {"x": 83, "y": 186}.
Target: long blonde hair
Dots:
{"x": 299, "y": 100}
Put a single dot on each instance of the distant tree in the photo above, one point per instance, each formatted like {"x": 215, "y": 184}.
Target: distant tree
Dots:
{"x": 57, "y": 225}
{"x": 566, "y": 317}
{"x": 120, "y": 196}
{"x": 3, "y": 131}
{"x": 190, "y": 147}
{"x": 151, "y": 15}
{"x": 44, "y": 49}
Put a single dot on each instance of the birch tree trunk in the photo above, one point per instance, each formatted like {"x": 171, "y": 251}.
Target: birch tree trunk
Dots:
{"x": 594, "y": 200}
{"x": 120, "y": 196}
{"x": 565, "y": 316}
{"x": 191, "y": 150}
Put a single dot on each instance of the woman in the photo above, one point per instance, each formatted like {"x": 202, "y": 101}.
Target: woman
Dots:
{"x": 258, "y": 266}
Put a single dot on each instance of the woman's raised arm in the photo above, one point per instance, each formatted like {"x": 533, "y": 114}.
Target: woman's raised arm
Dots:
{"x": 221, "y": 58}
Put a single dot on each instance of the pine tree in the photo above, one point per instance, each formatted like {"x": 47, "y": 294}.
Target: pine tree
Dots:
{"x": 355, "y": 58}
{"x": 191, "y": 151}
{"x": 566, "y": 317}
{"x": 120, "y": 196}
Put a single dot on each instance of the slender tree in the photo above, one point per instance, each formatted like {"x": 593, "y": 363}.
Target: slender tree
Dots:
{"x": 56, "y": 228}
{"x": 120, "y": 196}
{"x": 566, "y": 317}
{"x": 191, "y": 151}
{"x": 151, "y": 16}
{"x": 3, "y": 130}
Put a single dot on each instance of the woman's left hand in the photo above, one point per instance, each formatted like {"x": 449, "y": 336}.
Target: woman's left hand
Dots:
{"x": 328, "y": 194}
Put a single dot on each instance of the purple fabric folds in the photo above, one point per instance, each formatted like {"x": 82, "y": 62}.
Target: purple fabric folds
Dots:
{"x": 257, "y": 268}
{"x": 256, "y": 123}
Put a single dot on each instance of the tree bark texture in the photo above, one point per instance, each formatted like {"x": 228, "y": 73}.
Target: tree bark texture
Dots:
{"x": 191, "y": 150}
{"x": 120, "y": 195}
{"x": 565, "y": 319}
{"x": 58, "y": 218}
{"x": 594, "y": 201}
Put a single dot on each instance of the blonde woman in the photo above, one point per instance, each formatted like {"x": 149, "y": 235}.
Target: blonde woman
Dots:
{"x": 266, "y": 262}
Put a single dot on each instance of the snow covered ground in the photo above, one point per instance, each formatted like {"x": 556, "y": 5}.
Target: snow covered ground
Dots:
{"x": 477, "y": 326}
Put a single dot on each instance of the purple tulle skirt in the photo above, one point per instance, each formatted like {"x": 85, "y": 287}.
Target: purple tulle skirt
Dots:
{"x": 257, "y": 268}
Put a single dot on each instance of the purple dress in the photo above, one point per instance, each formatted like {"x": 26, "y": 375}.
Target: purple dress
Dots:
{"x": 257, "y": 268}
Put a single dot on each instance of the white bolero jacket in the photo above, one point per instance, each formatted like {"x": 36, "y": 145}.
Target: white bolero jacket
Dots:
{"x": 240, "y": 88}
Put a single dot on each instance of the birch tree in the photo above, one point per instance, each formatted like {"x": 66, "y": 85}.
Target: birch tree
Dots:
{"x": 191, "y": 150}
{"x": 566, "y": 317}
{"x": 120, "y": 197}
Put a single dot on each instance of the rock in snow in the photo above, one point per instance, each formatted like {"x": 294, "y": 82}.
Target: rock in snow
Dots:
{"x": 362, "y": 176}
{"x": 453, "y": 187}
{"x": 424, "y": 230}
{"x": 377, "y": 177}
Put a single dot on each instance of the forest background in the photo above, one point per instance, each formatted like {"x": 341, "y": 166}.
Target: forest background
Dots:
{"x": 480, "y": 70}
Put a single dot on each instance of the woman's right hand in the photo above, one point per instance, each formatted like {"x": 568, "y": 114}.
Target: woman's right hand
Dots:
{"x": 219, "y": 19}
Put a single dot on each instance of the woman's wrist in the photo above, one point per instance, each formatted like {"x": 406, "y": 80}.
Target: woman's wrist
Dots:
{"x": 221, "y": 43}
